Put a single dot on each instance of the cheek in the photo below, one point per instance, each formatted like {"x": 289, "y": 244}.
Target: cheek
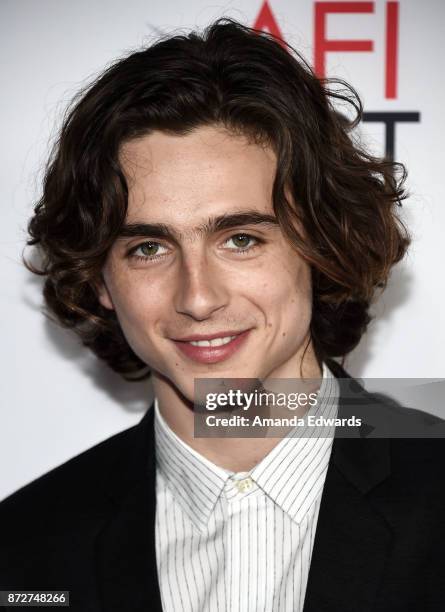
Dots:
{"x": 138, "y": 307}
{"x": 291, "y": 312}
{"x": 300, "y": 296}
{"x": 286, "y": 291}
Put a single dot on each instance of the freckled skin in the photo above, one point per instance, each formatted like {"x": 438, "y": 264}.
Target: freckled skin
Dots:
{"x": 202, "y": 285}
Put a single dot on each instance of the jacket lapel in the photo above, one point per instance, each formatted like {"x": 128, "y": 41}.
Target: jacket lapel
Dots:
{"x": 352, "y": 538}
{"x": 126, "y": 553}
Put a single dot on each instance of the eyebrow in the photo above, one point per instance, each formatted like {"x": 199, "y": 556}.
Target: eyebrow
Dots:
{"x": 211, "y": 226}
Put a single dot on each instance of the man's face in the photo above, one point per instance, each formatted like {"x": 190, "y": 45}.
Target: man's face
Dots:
{"x": 201, "y": 270}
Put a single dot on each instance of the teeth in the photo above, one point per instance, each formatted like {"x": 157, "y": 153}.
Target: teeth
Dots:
{"x": 214, "y": 342}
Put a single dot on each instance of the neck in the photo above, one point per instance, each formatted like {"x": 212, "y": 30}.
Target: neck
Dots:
{"x": 235, "y": 454}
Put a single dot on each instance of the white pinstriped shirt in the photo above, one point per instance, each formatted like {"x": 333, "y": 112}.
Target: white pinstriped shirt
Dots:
{"x": 223, "y": 547}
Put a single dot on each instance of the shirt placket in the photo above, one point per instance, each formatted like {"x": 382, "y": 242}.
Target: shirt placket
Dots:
{"x": 239, "y": 492}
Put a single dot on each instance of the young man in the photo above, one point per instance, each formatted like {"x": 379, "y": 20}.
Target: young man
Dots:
{"x": 206, "y": 215}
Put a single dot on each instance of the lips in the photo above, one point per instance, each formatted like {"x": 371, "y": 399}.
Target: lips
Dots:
{"x": 211, "y": 348}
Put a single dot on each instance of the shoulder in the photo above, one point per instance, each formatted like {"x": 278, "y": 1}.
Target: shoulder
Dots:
{"x": 406, "y": 443}
{"x": 65, "y": 510}
{"x": 396, "y": 459}
{"x": 74, "y": 488}
{"x": 414, "y": 439}
{"x": 384, "y": 413}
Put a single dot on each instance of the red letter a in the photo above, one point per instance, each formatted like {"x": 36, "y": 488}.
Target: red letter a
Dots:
{"x": 266, "y": 22}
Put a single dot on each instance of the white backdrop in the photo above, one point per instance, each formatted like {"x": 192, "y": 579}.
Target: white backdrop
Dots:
{"x": 58, "y": 400}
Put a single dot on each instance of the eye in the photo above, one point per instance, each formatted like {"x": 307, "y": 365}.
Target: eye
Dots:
{"x": 243, "y": 242}
{"x": 147, "y": 250}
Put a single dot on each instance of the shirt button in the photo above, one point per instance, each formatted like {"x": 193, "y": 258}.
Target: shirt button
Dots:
{"x": 246, "y": 484}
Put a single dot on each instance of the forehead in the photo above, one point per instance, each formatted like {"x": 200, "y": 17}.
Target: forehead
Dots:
{"x": 210, "y": 171}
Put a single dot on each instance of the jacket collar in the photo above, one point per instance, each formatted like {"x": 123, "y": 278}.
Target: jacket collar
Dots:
{"x": 363, "y": 465}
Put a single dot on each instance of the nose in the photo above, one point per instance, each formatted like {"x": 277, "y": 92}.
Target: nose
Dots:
{"x": 201, "y": 290}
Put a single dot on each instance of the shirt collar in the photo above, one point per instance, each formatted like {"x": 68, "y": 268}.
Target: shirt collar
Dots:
{"x": 292, "y": 474}
{"x": 195, "y": 481}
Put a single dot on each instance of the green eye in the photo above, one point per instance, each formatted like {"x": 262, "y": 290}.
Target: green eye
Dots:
{"x": 149, "y": 248}
{"x": 148, "y": 251}
{"x": 241, "y": 240}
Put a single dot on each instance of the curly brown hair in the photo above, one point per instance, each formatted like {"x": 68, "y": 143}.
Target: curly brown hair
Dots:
{"x": 344, "y": 200}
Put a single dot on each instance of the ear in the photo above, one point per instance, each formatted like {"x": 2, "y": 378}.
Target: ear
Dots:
{"x": 103, "y": 294}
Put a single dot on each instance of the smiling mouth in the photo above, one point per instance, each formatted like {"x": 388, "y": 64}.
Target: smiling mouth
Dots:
{"x": 214, "y": 342}
{"x": 211, "y": 348}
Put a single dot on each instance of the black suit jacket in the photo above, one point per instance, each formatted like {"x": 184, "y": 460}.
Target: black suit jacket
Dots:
{"x": 88, "y": 526}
